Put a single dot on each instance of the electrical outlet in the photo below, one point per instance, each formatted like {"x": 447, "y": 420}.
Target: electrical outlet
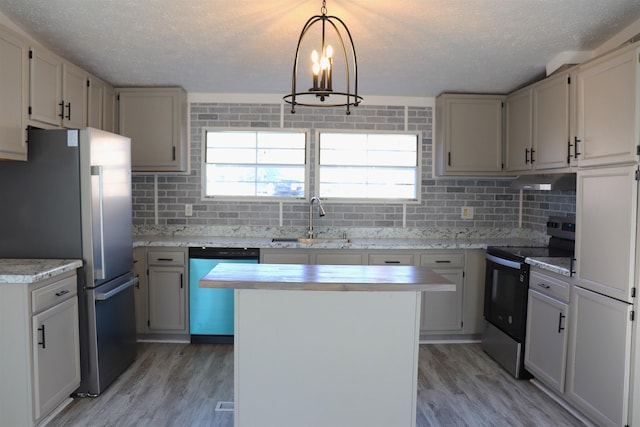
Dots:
{"x": 188, "y": 210}
{"x": 467, "y": 212}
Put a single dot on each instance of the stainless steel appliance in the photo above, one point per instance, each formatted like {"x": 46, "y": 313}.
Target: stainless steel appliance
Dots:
{"x": 506, "y": 287}
{"x": 211, "y": 310}
{"x": 72, "y": 199}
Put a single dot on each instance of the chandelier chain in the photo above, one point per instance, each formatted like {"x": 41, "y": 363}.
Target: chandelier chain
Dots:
{"x": 323, "y": 9}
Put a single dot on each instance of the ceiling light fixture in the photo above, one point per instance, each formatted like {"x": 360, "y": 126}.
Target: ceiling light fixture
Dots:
{"x": 323, "y": 65}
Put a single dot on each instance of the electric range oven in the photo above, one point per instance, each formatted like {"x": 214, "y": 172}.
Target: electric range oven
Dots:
{"x": 506, "y": 292}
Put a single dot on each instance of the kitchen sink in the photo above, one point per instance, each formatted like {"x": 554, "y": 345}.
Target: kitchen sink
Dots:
{"x": 309, "y": 240}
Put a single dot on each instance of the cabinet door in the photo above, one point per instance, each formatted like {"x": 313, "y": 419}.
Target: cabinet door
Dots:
{"x": 95, "y": 95}
{"x": 14, "y": 86}
{"x": 442, "y": 311}
{"x": 109, "y": 109}
{"x": 606, "y": 212}
{"x": 152, "y": 118}
{"x": 45, "y": 87}
{"x": 551, "y": 123}
{"x": 599, "y": 357}
{"x": 141, "y": 290}
{"x": 470, "y": 135}
{"x": 608, "y": 109}
{"x": 519, "y": 151}
{"x": 74, "y": 96}
{"x": 546, "y": 340}
{"x": 56, "y": 355}
{"x": 167, "y": 299}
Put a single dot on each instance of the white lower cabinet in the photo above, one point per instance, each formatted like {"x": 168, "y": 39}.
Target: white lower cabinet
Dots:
{"x": 40, "y": 356}
{"x": 546, "y": 346}
{"x": 56, "y": 358}
{"x": 167, "y": 292}
{"x": 442, "y": 311}
{"x": 598, "y": 369}
{"x": 545, "y": 354}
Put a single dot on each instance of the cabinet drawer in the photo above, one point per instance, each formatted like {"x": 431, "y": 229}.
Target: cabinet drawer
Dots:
{"x": 442, "y": 260}
{"x": 548, "y": 285}
{"x": 166, "y": 258}
{"x": 390, "y": 259}
{"x": 53, "y": 294}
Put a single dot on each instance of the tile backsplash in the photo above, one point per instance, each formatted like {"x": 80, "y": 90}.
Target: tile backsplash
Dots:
{"x": 159, "y": 200}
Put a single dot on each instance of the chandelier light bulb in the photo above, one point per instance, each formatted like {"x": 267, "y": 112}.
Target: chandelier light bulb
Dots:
{"x": 329, "y": 51}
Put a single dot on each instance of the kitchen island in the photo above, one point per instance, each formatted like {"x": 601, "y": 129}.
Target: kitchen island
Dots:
{"x": 319, "y": 345}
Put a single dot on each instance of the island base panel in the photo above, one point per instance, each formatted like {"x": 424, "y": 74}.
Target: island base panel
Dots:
{"x": 317, "y": 358}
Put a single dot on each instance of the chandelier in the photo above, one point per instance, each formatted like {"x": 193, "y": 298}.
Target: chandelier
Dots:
{"x": 324, "y": 63}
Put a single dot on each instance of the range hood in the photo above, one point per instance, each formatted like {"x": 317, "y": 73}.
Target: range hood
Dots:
{"x": 558, "y": 181}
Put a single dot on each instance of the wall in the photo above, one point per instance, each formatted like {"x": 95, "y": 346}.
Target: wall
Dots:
{"x": 495, "y": 204}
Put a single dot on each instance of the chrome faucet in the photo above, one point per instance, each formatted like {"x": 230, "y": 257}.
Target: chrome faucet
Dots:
{"x": 320, "y": 213}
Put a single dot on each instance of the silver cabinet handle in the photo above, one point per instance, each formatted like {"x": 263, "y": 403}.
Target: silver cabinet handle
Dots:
{"x": 64, "y": 292}
{"x": 543, "y": 285}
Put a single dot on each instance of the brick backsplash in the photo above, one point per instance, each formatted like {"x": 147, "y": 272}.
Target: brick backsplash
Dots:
{"x": 494, "y": 203}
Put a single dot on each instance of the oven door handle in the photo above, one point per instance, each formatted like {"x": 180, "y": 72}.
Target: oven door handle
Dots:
{"x": 106, "y": 295}
{"x": 504, "y": 262}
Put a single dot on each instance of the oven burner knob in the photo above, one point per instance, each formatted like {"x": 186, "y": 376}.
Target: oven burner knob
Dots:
{"x": 510, "y": 320}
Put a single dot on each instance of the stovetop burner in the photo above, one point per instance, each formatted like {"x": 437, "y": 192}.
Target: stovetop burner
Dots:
{"x": 561, "y": 243}
{"x": 519, "y": 253}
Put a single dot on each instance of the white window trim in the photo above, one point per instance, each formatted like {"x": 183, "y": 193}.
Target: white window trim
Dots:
{"x": 255, "y": 199}
{"x": 384, "y": 201}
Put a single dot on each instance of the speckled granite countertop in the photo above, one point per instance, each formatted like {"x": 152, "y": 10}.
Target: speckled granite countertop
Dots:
{"x": 355, "y": 243}
{"x": 557, "y": 265}
{"x": 34, "y": 270}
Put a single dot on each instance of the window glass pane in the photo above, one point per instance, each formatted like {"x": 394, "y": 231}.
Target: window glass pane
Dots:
{"x": 255, "y": 163}
{"x": 368, "y": 166}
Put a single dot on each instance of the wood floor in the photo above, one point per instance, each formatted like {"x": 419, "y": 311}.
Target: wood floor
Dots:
{"x": 180, "y": 385}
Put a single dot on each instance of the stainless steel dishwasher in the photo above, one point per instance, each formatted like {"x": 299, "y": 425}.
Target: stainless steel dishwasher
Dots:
{"x": 211, "y": 310}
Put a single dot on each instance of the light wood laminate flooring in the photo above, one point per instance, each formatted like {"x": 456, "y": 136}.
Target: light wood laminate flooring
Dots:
{"x": 180, "y": 385}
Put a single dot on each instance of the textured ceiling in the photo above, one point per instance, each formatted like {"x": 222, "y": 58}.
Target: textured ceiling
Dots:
{"x": 404, "y": 47}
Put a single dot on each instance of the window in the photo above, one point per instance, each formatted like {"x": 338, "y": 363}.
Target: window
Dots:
{"x": 368, "y": 166}
{"x": 250, "y": 163}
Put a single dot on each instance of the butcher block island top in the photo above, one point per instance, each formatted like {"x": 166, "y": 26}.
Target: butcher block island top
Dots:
{"x": 325, "y": 278}
{"x": 326, "y": 345}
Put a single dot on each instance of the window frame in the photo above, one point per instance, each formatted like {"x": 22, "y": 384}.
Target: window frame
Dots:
{"x": 351, "y": 200}
{"x": 203, "y": 166}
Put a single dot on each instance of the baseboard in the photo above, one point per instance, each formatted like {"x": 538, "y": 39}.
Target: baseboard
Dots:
{"x": 560, "y": 401}
{"x": 43, "y": 422}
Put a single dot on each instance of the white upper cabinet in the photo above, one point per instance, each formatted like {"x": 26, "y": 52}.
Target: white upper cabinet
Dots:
{"x": 14, "y": 87}
{"x": 468, "y": 135}
{"x": 537, "y": 126}
{"x": 58, "y": 91}
{"x": 101, "y": 105}
{"x": 551, "y": 121}
{"x": 607, "y": 109}
{"x": 519, "y": 148}
{"x": 155, "y": 119}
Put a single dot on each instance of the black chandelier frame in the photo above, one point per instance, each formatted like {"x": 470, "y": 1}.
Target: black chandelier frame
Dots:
{"x": 346, "y": 99}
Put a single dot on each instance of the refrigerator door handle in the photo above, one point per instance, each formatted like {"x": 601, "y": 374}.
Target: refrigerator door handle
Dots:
{"x": 106, "y": 295}
{"x": 97, "y": 181}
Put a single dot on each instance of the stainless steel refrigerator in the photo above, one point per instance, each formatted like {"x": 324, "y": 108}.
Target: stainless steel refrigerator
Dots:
{"x": 72, "y": 199}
